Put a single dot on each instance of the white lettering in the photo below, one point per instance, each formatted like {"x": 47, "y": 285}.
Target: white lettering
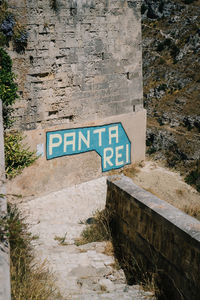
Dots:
{"x": 127, "y": 153}
{"x": 118, "y": 155}
{"x": 113, "y": 135}
{"x": 106, "y": 157}
{"x": 99, "y": 131}
{"x": 81, "y": 137}
{"x": 70, "y": 142}
{"x": 53, "y": 144}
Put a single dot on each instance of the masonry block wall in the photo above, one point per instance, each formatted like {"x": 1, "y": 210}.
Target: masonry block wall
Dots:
{"x": 83, "y": 61}
{"x": 151, "y": 236}
{"x": 5, "y": 293}
{"x": 82, "y": 66}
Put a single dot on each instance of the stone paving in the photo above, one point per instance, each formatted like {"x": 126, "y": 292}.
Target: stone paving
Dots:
{"x": 82, "y": 272}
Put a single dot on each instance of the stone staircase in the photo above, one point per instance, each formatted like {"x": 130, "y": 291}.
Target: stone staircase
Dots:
{"x": 83, "y": 272}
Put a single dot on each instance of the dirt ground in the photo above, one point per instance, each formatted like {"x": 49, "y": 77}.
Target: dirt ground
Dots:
{"x": 167, "y": 185}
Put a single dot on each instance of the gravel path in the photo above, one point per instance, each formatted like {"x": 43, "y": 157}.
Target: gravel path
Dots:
{"x": 82, "y": 272}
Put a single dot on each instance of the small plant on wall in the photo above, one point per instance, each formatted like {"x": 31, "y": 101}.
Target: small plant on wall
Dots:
{"x": 20, "y": 40}
{"x": 54, "y": 4}
{"x": 30, "y": 279}
{"x": 8, "y": 87}
{"x": 17, "y": 156}
{"x": 11, "y": 30}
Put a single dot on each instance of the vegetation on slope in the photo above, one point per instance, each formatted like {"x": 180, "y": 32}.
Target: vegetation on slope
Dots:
{"x": 30, "y": 280}
{"x": 8, "y": 87}
{"x": 171, "y": 61}
{"x": 11, "y": 30}
{"x": 17, "y": 157}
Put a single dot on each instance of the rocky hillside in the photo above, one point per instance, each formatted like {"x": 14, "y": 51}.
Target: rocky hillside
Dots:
{"x": 171, "y": 64}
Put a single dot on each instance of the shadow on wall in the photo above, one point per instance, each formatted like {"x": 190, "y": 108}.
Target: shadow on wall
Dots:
{"x": 156, "y": 244}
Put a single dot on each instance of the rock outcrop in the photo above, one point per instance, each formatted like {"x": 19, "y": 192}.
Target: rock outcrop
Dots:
{"x": 171, "y": 61}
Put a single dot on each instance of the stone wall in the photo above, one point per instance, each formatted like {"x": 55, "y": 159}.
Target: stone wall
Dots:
{"x": 82, "y": 62}
{"x": 82, "y": 67}
{"x": 45, "y": 175}
{"x": 151, "y": 236}
{"x": 4, "y": 248}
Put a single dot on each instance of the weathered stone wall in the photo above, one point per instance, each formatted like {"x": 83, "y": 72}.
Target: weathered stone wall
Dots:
{"x": 4, "y": 247}
{"x": 152, "y": 236}
{"x": 51, "y": 175}
{"x": 82, "y": 62}
{"x": 82, "y": 67}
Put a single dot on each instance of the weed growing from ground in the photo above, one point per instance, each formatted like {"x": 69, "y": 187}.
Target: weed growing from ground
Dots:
{"x": 192, "y": 210}
{"x": 130, "y": 170}
{"x": 30, "y": 280}
{"x": 136, "y": 271}
{"x": 17, "y": 155}
{"x": 61, "y": 239}
{"x": 98, "y": 231}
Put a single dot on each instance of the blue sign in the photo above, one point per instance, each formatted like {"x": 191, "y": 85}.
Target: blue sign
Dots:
{"x": 109, "y": 141}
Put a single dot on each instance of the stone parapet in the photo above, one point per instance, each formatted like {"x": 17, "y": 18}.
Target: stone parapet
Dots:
{"x": 5, "y": 293}
{"x": 155, "y": 237}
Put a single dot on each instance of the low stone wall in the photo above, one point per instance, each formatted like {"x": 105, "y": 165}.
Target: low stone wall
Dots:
{"x": 152, "y": 236}
{"x": 4, "y": 248}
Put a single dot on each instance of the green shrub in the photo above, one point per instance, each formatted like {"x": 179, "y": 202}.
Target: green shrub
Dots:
{"x": 188, "y": 1}
{"x": 17, "y": 155}
{"x": 8, "y": 87}
{"x": 151, "y": 150}
{"x": 161, "y": 61}
{"x": 193, "y": 178}
{"x": 20, "y": 41}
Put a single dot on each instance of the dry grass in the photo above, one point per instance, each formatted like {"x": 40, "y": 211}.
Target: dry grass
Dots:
{"x": 130, "y": 170}
{"x": 61, "y": 239}
{"x": 186, "y": 205}
{"x": 169, "y": 186}
{"x": 109, "y": 249}
{"x": 151, "y": 190}
{"x": 192, "y": 210}
{"x": 98, "y": 231}
{"x": 30, "y": 280}
{"x": 189, "y": 207}
{"x": 179, "y": 192}
{"x": 32, "y": 283}
{"x": 136, "y": 273}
